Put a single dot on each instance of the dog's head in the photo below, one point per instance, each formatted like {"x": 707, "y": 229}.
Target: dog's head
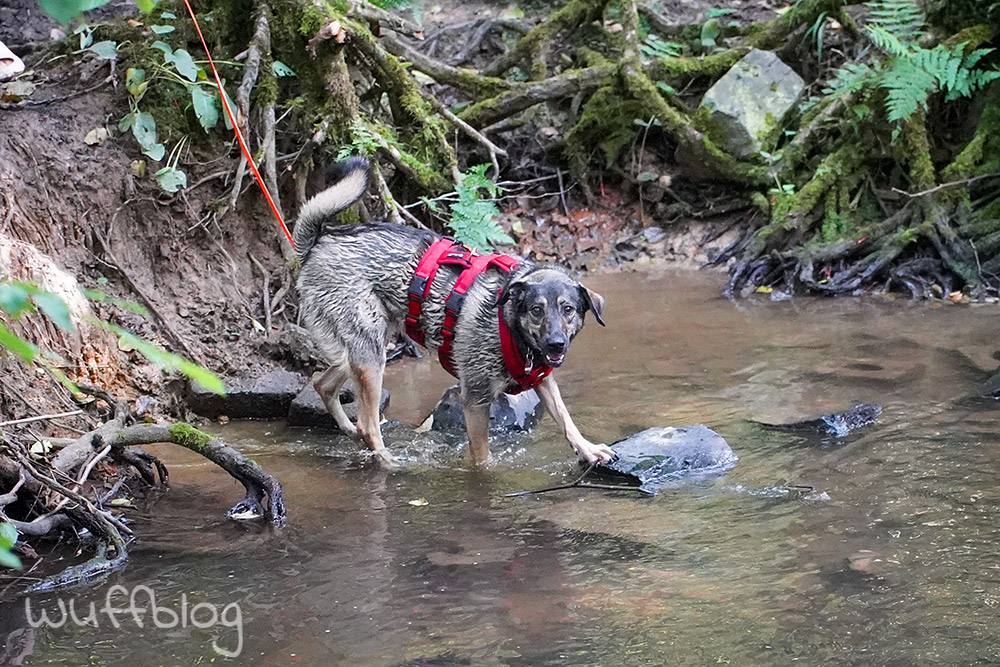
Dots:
{"x": 546, "y": 310}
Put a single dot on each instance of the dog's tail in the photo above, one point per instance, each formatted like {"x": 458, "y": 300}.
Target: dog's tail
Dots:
{"x": 348, "y": 189}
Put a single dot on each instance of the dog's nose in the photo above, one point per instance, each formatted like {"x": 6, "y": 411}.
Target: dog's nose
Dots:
{"x": 555, "y": 347}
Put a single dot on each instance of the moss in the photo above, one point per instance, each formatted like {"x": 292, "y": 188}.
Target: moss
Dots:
{"x": 916, "y": 151}
{"x": 687, "y": 67}
{"x": 607, "y": 122}
{"x": 188, "y": 436}
{"x": 838, "y": 168}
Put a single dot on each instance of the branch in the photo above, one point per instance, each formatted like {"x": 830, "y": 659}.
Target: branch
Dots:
{"x": 369, "y": 12}
{"x": 524, "y": 95}
{"x": 469, "y": 80}
{"x": 472, "y": 132}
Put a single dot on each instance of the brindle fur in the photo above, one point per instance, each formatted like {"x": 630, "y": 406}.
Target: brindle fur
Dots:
{"x": 353, "y": 288}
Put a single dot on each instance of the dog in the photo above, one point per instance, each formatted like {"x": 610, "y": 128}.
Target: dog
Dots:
{"x": 355, "y": 284}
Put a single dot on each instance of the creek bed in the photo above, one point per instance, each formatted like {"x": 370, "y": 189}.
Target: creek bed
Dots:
{"x": 891, "y": 561}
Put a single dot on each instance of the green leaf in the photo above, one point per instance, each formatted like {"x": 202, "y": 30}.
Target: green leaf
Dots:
{"x": 281, "y": 69}
{"x": 709, "y": 33}
{"x": 8, "y": 535}
{"x": 716, "y": 12}
{"x": 17, "y": 345}
{"x": 171, "y": 179}
{"x": 55, "y": 308}
{"x": 14, "y": 299}
{"x": 168, "y": 15}
{"x": 107, "y": 49}
{"x": 155, "y": 152}
{"x": 204, "y": 107}
{"x": 65, "y": 11}
{"x": 172, "y": 362}
{"x": 184, "y": 63}
{"x": 146, "y": 6}
{"x": 144, "y": 129}
{"x": 127, "y": 121}
{"x": 647, "y": 176}
{"x": 225, "y": 116}
{"x": 162, "y": 46}
{"x": 162, "y": 29}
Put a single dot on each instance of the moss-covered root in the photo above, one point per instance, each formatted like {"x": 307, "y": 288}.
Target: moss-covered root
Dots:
{"x": 530, "y": 48}
{"x": 254, "y": 479}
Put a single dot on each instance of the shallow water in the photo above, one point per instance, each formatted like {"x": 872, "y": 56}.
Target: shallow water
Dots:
{"x": 892, "y": 560}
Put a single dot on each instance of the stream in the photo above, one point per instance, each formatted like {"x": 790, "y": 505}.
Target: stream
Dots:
{"x": 891, "y": 560}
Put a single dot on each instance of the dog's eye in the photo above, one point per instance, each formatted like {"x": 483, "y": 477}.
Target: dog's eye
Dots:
{"x": 536, "y": 310}
{"x": 568, "y": 309}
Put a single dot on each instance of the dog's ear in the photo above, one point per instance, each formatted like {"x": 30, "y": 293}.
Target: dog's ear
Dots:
{"x": 593, "y": 301}
{"x": 514, "y": 290}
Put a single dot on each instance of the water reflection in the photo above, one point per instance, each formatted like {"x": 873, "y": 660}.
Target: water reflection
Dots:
{"x": 893, "y": 564}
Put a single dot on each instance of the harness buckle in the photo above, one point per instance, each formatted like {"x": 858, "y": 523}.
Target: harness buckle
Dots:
{"x": 454, "y": 302}
{"x": 418, "y": 287}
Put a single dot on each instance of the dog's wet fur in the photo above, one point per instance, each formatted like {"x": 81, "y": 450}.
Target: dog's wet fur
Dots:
{"x": 353, "y": 287}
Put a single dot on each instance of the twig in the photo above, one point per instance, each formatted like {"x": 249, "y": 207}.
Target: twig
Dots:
{"x": 370, "y": 12}
{"x": 578, "y": 484}
{"x": 39, "y": 418}
{"x": 562, "y": 193}
{"x": 472, "y": 132}
{"x": 266, "y": 296}
{"x": 952, "y": 184}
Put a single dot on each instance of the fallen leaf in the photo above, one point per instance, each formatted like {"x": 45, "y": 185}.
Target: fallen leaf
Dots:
{"x": 96, "y": 136}
{"x": 420, "y": 502}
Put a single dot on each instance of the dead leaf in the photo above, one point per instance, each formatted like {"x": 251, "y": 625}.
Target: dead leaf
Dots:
{"x": 96, "y": 136}
{"x": 419, "y": 502}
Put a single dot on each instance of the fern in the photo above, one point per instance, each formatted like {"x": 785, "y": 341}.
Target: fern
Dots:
{"x": 903, "y": 19}
{"x": 473, "y": 219}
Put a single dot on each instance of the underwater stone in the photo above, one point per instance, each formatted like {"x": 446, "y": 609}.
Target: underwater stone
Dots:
{"x": 748, "y": 104}
{"x": 510, "y": 413}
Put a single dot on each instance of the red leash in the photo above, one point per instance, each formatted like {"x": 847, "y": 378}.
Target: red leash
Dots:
{"x": 236, "y": 128}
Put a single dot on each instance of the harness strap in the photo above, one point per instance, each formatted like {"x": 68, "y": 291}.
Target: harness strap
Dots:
{"x": 421, "y": 285}
{"x": 447, "y": 251}
{"x": 526, "y": 378}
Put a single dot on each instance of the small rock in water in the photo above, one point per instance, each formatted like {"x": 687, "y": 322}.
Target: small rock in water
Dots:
{"x": 837, "y": 424}
{"x": 308, "y": 409}
{"x": 264, "y": 397}
{"x": 511, "y": 413}
{"x": 654, "y": 457}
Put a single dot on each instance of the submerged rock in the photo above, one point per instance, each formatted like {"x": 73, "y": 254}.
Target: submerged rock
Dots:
{"x": 838, "y": 424}
{"x": 748, "y": 104}
{"x": 264, "y": 397}
{"x": 655, "y": 457}
{"x": 512, "y": 413}
{"x": 308, "y": 409}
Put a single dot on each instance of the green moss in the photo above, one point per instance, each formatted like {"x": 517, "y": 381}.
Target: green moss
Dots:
{"x": 188, "y": 436}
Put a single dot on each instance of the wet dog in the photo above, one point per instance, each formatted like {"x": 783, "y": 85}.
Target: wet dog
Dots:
{"x": 354, "y": 287}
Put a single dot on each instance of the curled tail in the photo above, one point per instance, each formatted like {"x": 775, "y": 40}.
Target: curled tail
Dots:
{"x": 329, "y": 202}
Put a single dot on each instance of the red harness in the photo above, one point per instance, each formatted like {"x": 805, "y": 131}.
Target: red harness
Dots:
{"x": 447, "y": 251}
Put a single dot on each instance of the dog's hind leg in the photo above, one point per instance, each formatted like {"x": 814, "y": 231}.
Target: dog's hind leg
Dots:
{"x": 368, "y": 380}
{"x": 328, "y": 387}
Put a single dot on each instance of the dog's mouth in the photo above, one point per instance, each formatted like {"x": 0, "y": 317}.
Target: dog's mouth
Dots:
{"x": 555, "y": 359}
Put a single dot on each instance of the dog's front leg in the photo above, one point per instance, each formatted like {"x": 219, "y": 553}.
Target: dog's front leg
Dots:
{"x": 477, "y": 426}
{"x": 588, "y": 451}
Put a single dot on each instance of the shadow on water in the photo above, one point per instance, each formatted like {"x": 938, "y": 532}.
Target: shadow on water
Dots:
{"x": 891, "y": 560}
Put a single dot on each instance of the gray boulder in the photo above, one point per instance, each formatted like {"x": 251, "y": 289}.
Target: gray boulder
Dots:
{"x": 264, "y": 397}
{"x": 307, "y": 408}
{"x": 512, "y": 413}
{"x": 748, "y": 104}
{"x": 654, "y": 458}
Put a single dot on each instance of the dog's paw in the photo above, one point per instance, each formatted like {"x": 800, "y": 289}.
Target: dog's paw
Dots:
{"x": 596, "y": 453}
{"x": 386, "y": 459}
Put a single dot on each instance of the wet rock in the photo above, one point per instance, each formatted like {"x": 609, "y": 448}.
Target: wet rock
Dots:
{"x": 657, "y": 456}
{"x": 293, "y": 343}
{"x": 748, "y": 104}
{"x": 838, "y": 424}
{"x": 307, "y": 408}
{"x": 511, "y": 413}
{"x": 264, "y": 397}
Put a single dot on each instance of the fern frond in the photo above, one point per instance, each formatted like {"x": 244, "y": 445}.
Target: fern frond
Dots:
{"x": 907, "y": 89}
{"x": 851, "y": 78}
{"x": 885, "y": 41}
{"x": 901, "y": 18}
